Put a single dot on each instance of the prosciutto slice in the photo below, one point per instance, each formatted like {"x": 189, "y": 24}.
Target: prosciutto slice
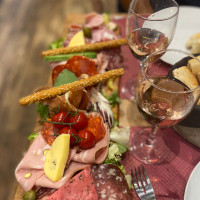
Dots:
{"x": 94, "y": 20}
{"x": 33, "y": 163}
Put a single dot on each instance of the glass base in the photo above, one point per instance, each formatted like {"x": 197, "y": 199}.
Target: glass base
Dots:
{"x": 147, "y": 152}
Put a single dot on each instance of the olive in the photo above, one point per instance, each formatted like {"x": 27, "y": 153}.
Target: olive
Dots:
{"x": 87, "y": 32}
{"x": 30, "y": 195}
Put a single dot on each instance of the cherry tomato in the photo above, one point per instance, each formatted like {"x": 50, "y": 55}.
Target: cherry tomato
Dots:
{"x": 72, "y": 132}
{"x": 81, "y": 65}
{"x": 62, "y": 116}
{"x": 80, "y": 121}
{"x": 57, "y": 70}
{"x": 88, "y": 139}
{"x": 48, "y": 133}
{"x": 96, "y": 126}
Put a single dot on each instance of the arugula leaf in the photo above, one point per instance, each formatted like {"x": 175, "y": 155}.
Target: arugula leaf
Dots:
{"x": 114, "y": 98}
{"x": 116, "y": 122}
{"x": 111, "y": 161}
{"x": 65, "y": 77}
{"x": 122, "y": 149}
{"x": 57, "y": 44}
{"x": 43, "y": 110}
{"x": 32, "y": 136}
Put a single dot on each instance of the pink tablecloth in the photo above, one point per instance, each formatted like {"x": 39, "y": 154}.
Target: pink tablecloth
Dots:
{"x": 170, "y": 177}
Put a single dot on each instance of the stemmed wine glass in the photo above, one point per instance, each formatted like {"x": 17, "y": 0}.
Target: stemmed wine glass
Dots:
{"x": 165, "y": 94}
{"x": 150, "y": 27}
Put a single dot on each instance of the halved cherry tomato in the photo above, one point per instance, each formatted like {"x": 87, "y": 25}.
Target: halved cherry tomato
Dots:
{"x": 57, "y": 70}
{"x": 96, "y": 126}
{"x": 88, "y": 139}
{"x": 62, "y": 116}
{"x": 72, "y": 132}
{"x": 80, "y": 121}
{"x": 48, "y": 133}
{"x": 81, "y": 65}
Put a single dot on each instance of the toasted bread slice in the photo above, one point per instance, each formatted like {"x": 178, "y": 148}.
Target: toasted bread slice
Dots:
{"x": 193, "y": 44}
{"x": 185, "y": 75}
{"x": 194, "y": 65}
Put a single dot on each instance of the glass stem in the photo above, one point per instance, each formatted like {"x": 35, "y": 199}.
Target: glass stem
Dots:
{"x": 152, "y": 136}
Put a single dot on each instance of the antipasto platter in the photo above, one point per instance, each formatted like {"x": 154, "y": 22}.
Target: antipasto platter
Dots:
{"x": 77, "y": 151}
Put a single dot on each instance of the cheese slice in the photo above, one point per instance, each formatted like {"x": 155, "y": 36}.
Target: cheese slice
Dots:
{"x": 56, "y": 157}
{"x": 77, "y": 40}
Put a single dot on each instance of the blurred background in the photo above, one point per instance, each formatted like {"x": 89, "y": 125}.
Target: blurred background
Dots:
{"x": 26, "y": 28}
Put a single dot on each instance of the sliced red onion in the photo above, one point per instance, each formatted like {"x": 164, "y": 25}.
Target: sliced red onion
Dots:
{"x": 102, "y": 106}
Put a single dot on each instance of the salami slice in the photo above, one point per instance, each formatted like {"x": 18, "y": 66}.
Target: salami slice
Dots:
{"x": 110, "y": 183}
{"x": 79, "y": 187}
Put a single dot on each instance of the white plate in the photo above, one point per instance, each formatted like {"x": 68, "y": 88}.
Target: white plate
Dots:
{"x": 192, "y": 190}
{"x": 187, "y": 25}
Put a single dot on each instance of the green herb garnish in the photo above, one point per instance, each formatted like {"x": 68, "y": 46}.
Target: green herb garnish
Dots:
{"x": 32, "y": 136}
{"x": 113, "y": 99}
{"x": 43, "y": 111}
{"x": 57, "y": 44}
{"x": 65, "y": 77}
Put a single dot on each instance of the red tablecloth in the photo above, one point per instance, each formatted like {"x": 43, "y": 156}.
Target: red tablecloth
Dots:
{"x": 170, "y": 177}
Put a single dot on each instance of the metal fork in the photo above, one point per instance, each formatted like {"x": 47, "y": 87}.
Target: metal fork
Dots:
{"x": 142, "y": 184}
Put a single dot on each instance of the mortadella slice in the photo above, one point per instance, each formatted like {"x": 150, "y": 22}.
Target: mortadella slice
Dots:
{"x": 33, "y": 163}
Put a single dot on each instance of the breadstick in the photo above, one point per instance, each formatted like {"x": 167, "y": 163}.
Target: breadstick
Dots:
{"x": 87, "y": 47}
{"x": 55, "y": 91}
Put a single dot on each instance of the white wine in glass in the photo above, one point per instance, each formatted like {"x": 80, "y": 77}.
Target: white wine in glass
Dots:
{"x": 165, "y": 94}
{"x": 150, "y": 25}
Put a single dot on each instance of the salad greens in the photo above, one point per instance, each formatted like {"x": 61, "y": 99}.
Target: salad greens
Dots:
{"x": 57, "y": 44}
{"x": 120, "y": 135}
{"x": 43, "y": 111}
{"x": 114, "y": 157}
{"x": 113, "y": 99}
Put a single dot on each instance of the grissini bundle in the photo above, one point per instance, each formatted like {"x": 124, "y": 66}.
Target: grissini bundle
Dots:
{"x": 55, "y": 91}
{"x": 87, "y": 47}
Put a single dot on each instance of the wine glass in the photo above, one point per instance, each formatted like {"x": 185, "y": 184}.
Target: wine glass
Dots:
{"x": 150, "y": 27}
{"x": 165, "y": 94}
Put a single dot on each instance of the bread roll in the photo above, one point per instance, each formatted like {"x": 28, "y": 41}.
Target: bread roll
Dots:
{"x": 194, "y": 65}
{"x": 193, "y": 44}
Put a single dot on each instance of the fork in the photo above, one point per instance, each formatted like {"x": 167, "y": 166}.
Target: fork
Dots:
{"x": 142, "y": 184}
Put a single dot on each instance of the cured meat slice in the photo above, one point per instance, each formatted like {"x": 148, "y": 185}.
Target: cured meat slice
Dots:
{"x": 94, "y": 20}
{"x": 33, "y": 163}
{"x": 110, "y": 183}
{"x": 79, "y": 187}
